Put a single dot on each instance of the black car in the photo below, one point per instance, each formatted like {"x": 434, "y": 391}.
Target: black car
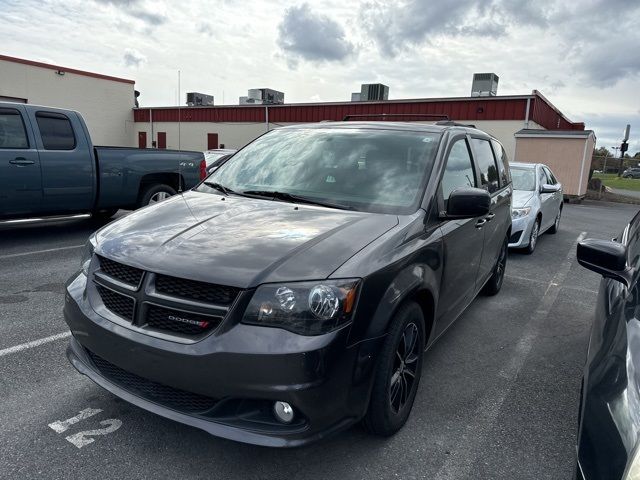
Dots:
{"x": 609, "y": 415}
{"x": 294, "y": 291}
{"x": 633, "y": 172}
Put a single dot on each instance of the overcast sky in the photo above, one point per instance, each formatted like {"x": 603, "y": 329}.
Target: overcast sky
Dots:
{"x": 583, "y": 56}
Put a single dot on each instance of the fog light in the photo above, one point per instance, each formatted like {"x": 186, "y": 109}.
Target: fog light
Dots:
{"x": 283, "y": 412}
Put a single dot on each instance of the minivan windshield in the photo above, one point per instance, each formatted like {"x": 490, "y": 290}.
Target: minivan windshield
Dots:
{"x": 523, "y": 178}
{"x": 362, "y": 169}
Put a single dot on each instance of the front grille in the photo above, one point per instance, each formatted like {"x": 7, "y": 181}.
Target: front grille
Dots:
{"x": 179, "y": 322}
{"x": 119, "y": 304}
{"x": 174, "y": 398}
{"x": 194, "y": 290}
{"x": 121, "y": 272}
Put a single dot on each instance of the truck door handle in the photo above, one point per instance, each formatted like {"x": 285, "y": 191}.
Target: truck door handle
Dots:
{"x": 480, "y": 223}
{"x": 490, "y": 217}
{"x": 21, "y": 161}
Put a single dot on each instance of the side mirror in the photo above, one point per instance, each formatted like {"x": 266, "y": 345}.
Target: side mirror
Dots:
{"x": 606, "y": 257}
{"x": 468, "y": 203}
{"x": 547, "y": 188}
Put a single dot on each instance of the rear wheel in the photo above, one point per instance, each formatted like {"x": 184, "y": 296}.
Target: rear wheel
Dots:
{"x": 154, "y": 194}
{"x": 533, "y": 237}
{"x": 398, "y": 373}
{"x": 493, "y": 286}
{"x": 556, "y": 223}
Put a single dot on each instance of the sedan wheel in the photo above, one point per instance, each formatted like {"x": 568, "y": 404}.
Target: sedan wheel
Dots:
{"x": 533, "y": 238}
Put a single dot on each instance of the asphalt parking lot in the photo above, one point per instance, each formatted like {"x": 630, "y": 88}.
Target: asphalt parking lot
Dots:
{"x": 498, "y": 396}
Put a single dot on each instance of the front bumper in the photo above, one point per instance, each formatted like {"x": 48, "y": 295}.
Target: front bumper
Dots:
{"x": 521, "y": 231}
{"x": 241, "y": 371}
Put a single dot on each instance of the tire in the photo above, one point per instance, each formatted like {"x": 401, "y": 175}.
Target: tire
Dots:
{"x": 105, "y": 214}
{"x": 533, "y": 238}
{"x": 396, "y": 380}
{"x": 556, "y": 223}
{"x": 493, "y": 286}
{"x": 154, "y": 194}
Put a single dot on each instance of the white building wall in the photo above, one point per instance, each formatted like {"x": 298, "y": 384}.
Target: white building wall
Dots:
{"x": 193, "y": 135}
{"x": 106, "y": 105}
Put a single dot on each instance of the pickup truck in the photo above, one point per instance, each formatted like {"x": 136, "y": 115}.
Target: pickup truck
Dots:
{"x": 49, "y": 166}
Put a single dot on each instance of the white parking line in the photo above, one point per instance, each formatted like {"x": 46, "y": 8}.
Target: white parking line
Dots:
{"x": 462, "y": 458}
{"x": 35, "y": 343}
{"x": 14, "y": 255}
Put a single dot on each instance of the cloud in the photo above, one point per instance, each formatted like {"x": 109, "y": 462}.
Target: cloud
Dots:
{"x": 206, "y": 29}
{"x": 137, "y": 9}
{"x": 133, "y": 58}
{"x": 306, "y": 35}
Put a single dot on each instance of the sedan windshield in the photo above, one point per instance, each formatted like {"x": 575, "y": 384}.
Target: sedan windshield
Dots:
{"x": 361, "y": 169}
{"x": 523, "y": 178}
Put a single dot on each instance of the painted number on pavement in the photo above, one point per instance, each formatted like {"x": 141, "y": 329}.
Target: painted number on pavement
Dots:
{"x": 84, "y": 438}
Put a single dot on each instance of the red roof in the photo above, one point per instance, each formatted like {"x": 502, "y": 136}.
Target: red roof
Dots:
{"x": 64, "y": 69}
{"x": 467, "y": 109}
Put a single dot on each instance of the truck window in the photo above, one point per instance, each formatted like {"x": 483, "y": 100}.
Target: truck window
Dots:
{"x": 503, "y": 163}
{"x": 459, "y": 170}
{"x": 486, "y": 164}
{"x": 12, "y": 132}
{"x": 56, "y": 131}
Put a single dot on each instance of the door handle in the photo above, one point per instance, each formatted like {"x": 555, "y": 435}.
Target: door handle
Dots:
{"x": 21, "y": 161}
{"x": 480, "y": 223}
{"x": 490, "y": 217}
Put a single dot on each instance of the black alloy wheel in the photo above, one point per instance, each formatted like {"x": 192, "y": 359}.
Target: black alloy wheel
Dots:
{"x": 494, "y": 284}
{"x": 404, "y": 368}
{"x": 397, "y": 373}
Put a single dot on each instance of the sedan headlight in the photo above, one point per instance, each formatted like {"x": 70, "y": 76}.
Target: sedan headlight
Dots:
{"x": 306, "y": 308}
{"x": 87, "y": 253}
{"x": 520, "y": 212}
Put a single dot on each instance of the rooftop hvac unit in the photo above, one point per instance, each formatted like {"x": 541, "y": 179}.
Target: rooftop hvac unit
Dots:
{"x": 267, "y": 96}
{"x": 250, "y": 101}
{"x": 374, "y": 91}
{"x": 198, "y": 99}
{"x": 484, "y": 85}
{"x": 355, "y": 97}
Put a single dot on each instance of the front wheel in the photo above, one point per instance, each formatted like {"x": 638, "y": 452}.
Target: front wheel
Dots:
{"x": 155, "y": 194}
{"x": 398, "y": 373}
{"x": 533, "y": 238}
{"x": 493, "y": 286}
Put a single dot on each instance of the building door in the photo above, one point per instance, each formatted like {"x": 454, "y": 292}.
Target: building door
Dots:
{"x": 162, "y": 139}
{"x": 142, "y": 139}
{"x": 212, "y": 141}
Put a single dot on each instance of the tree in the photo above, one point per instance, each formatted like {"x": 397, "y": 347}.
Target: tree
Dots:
{"x": 602, "y": 152}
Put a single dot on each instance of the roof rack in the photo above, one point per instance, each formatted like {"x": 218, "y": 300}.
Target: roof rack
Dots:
{"x": 385, "y": 115}
{"x": 451, "y": 123}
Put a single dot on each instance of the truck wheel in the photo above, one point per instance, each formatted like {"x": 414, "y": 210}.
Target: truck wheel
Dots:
{"x": 493, "y": 286}
{"x": 398, "y": 372}
{"x": 155, "y": 194}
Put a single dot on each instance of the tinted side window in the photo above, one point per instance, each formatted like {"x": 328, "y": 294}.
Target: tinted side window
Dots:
{"x": 459, "y": 169}
{"x": 486, "y": 164}
{"x": 503, "y": 163}
{"x": 12, "y": 132}
{"x": 56, "y": 131}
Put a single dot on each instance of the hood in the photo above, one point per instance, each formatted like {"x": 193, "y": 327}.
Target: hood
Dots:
{"x": 239, "y": 241}
{"x": 521, "y": 198}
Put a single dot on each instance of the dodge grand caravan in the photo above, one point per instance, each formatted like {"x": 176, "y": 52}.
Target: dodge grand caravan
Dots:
{"x": 295, "y": 290}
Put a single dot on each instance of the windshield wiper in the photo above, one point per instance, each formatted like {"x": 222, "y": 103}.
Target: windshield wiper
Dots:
{"x": 289, "y": 197}
{"x": 219, "y": 187}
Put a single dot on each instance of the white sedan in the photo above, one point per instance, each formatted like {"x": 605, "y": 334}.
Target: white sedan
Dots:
{"x": 537, "y": 204}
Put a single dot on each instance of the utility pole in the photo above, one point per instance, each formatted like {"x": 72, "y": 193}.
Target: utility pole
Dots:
{"x": 624, "y": 146}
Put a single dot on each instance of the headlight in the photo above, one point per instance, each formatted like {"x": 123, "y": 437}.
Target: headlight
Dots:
{"x": 307, "y": 308}
{"x": 520, "y": 212}
{"x": 87, "y": 253}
